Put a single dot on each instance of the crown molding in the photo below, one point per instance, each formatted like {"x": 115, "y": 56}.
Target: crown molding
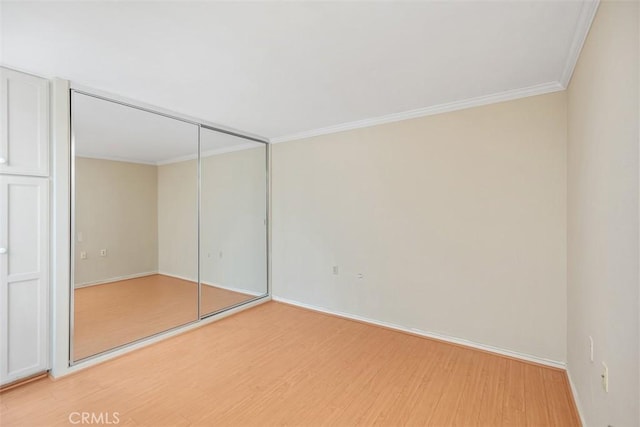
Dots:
{"x": 509, "y": 95}
{"x": 587, "y": 13}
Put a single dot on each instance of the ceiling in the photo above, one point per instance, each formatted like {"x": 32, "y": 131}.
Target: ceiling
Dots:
{"x": 281, "y": 69}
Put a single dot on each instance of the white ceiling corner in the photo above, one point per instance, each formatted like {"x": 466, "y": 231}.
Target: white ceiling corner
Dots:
{"x": 286, "y": 70}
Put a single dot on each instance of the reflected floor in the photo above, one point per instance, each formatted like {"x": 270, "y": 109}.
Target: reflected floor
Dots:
{"x": 117, "y": 313}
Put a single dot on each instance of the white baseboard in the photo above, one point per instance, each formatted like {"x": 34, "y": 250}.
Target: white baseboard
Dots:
{"x": 576, "y": 398}
{"x": 437, "y": 336}
{"x": 115, "y": 279}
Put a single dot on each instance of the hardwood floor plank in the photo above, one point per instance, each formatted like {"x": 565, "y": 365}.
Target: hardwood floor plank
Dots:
{"x": 276, "y": 364}
{"x": 412, "y": 405}
{"x": 457, "y": 371}
{"x": 493, "y": 393}
{"x": 535, "y": 396}
{"x": 513, "y": 411}
{"x": 470, "y": 403}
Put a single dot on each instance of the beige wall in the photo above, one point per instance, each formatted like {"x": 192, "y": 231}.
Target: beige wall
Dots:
{"x": 456, "y": 222}
{"x": 115, "y": 210}
{"x": 603, "y": 218}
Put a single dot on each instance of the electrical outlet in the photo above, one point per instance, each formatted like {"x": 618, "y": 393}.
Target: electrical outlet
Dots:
{"x": 605, "y": 377}
{"x": 360, "y": 276}
{"x": 591, "y": 349}
{"x": 103, "y": 252}
{"x": 335, "y": 269}
{"x": 83, "y": 255}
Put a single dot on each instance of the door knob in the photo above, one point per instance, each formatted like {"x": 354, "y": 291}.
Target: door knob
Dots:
{"x": 3, "y": 250}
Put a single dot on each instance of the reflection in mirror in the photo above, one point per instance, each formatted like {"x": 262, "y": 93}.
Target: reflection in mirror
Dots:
{"x": 233, "y": 230}
{"x": 135, "y": 224}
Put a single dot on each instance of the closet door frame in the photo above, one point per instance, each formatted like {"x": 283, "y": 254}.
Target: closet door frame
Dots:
{"x": 201, "y": 319}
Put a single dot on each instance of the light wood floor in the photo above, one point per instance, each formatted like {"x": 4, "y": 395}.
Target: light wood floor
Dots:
{"x": 280, "y": 365}
{"x": 117, "y": 313}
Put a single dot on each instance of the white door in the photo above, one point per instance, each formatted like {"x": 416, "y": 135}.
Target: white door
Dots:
{"x": 24, "y": 277}
{"x": 24, "y": 124}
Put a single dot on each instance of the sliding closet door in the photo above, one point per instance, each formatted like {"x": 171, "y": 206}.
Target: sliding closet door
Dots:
{"x": 233, "y": 220}
{"x": 135, "y": 219}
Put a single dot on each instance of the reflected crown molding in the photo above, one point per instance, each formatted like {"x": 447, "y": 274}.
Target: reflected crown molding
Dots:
{"x": 206, "y": 153}
{"x": 115, "y": 159}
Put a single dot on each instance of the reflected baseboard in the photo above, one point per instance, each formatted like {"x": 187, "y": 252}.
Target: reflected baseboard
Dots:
{"x": 115, "y": 279}
{"x": 235, "y": 289}
{"x": 177, "y": 276}
{"x": 215, "y": 285}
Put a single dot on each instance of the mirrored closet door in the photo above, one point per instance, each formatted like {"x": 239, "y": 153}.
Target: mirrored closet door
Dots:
{"x": 135, "y": 224}
{"x": 169, "y": 223}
